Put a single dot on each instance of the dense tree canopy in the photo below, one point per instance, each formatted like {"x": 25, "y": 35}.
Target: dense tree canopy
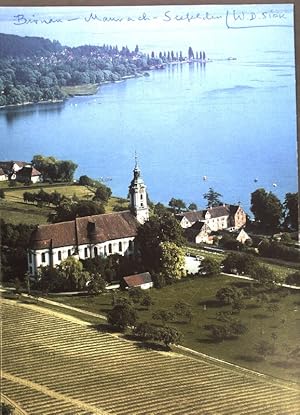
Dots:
{"x": 212, "y": 198}
{"x": 69, "y": 209}
{"x": 266, "y": 208}
{"x": 53, "y": 169}
{"x": 152, "y": 233}
{"x": 291, "y": 210}
{"x": 172, "y": 260}
{"x": 177, "y": 205}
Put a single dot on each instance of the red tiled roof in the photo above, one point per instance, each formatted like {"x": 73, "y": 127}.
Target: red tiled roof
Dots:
{"x": 138, "y": 279}
{"x": 55, "y": 235}
{"x": 107, "y": 227}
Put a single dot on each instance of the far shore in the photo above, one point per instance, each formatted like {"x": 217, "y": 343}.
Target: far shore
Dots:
{"x": 73, "y": 91}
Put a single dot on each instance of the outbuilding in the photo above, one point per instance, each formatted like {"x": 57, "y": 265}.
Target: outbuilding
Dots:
{"x": 143, "y": 281}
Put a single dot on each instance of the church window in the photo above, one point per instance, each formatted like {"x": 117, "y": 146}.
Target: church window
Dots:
{"x": 59, "y": 255}
{"x": 69, "y": 252}
{"x": 130, "y": 246}
{"x": 141, "y": 196}
{"x": 120, "y": 246}
{"x": 95, "y": 251}
{"x": 105, "y": 252}
{"x": 43, "y": 257}
{"x": 109, "y": 248}
{"x": 85, "y": 252}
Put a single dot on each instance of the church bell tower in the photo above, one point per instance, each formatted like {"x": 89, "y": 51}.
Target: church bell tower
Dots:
{"x": 138, "y": 196}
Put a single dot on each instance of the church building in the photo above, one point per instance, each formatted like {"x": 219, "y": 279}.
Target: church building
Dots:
{"x": 90, "y": 236}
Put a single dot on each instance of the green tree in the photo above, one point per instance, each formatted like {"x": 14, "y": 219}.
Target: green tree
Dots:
{"x": 168, "y": 335}
{"x": 177, "y": 205}
{"x": 192, "y": 206}
{"x": 152, "y": 233}
{"x": 102, "y": 193}
{"x": 183, "y": 310}
{"x": 229, "y": 295}
{"x": 290, "y": 205}
{"x": 136, "y": 295}
{"x": 145, "y": 331}
{"x": 209, "y": 267}
{"x": 265, "y": 276}
{"x": 172, "y": 260}
{"x": 163, "y": 316}
{"x": 71, "y": 271}
{"x": 96, "y": 284}
{"x": 122, "y": 316}
{"x": 212, "y": 198}
{"x": 160, "y": 209}
{"x": 239, "y": 263}
{"x": 266, "y": 208}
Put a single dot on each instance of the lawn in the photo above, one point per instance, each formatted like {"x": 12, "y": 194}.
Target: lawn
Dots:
{"x": 14, "y": 210}
{"x": 85, "y": 89}
{"x": 19, "y": 212}
{"x": 279, "y": 327}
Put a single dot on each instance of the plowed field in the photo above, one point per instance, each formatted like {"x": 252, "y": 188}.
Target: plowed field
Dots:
{"x": 53, "y": 366}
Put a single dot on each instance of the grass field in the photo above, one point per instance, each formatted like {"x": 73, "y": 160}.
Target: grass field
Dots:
{"x": 85, "y": 89}
{"x": 54, "y": 366}
{"x": 260, "y": 322}
{"x": 14, "y": 210}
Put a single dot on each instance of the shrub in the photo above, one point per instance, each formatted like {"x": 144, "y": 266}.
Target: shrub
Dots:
{"x": 122, "y": 316}
{"x": 229, "y": 295}
{"x": 293, "y": 279}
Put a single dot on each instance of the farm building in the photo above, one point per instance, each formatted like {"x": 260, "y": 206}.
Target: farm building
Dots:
{"x": 143, "y": 281}
{"x": 19, "y": 170}
{"x": 198, "y": 233}
{"x": 3, "y": 175}
{"x": 90, "y": 236}
{"x": 216, "y": 218}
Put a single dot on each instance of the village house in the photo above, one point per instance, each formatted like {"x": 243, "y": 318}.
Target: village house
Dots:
{"x": 21, "y": 171}
{"x": 3, "y": 175}
{"x": 199, "y": 233}
{"x": 143, "y": 281}
{"x": 217, "y": 218}
{"x": 90, "y": 236}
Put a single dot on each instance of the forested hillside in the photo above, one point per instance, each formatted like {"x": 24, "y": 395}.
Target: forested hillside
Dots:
{"x": 13, "y": 45}
{"x": 35, "y": 69}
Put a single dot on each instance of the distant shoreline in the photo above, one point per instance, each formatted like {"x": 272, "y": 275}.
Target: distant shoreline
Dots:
{"x": 78, "y": 94}
{"x": 96, "y": 86}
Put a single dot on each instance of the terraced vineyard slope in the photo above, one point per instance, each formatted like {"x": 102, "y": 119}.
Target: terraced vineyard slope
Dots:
{"x": 55, "y": 366}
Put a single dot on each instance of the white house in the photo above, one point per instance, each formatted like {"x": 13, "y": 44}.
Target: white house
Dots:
{"x": 90, "y": 236}
{"x": 19, "y": 170}
{"x": 198, "y": 233}
{"x": 3, "y": 175}
{"x": 217, "y": 217}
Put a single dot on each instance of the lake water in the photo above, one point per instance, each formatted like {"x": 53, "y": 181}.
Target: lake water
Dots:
{"x": 231, "y": 121}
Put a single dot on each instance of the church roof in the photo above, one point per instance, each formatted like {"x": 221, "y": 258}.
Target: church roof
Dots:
{"x": 105, "y": 227}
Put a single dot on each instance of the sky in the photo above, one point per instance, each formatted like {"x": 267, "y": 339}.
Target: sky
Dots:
{"x": 76, "y": 25}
